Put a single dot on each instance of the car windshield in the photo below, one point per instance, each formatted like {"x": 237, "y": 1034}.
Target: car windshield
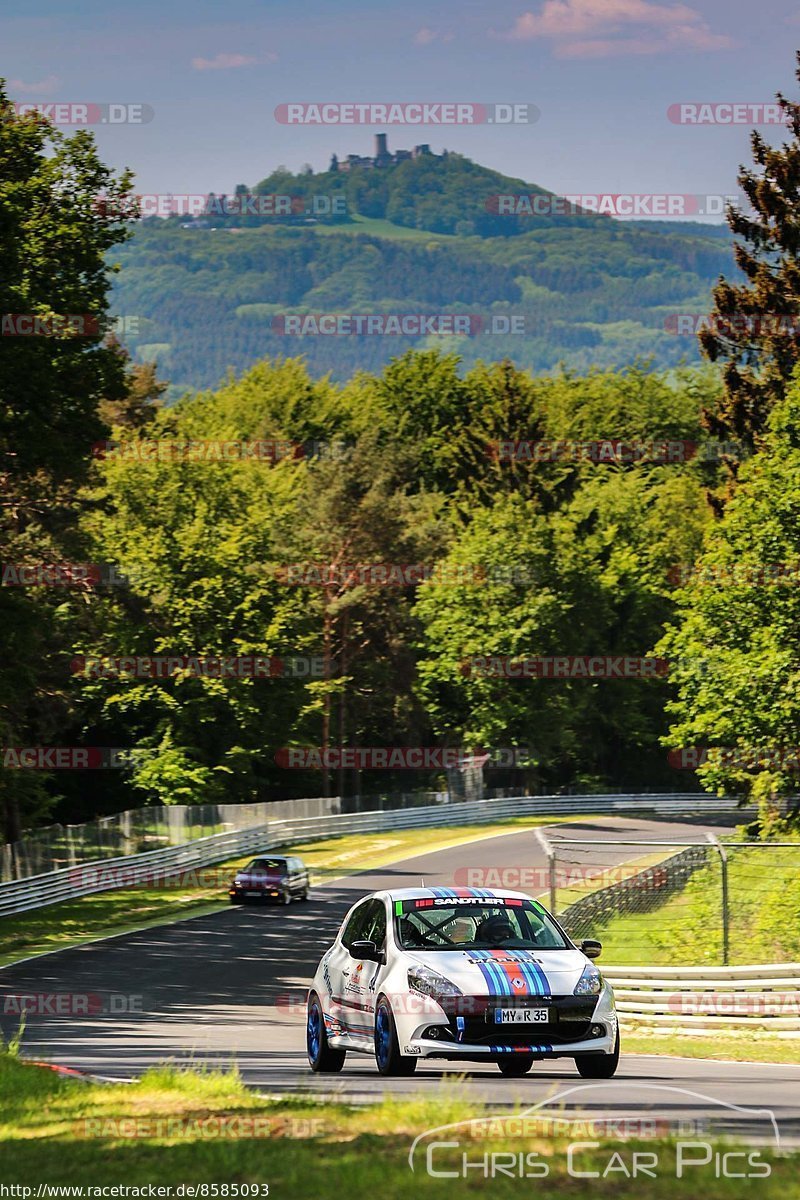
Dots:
{"x": 479, "y": 924}
{"x": 267, "y": 864}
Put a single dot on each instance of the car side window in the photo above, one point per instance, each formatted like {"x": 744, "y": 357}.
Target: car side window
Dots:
{"x": 352, "y": 931}
{"x": 375, "y": 927}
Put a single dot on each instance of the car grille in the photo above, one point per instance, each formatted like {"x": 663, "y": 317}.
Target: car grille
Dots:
{"x": 570, "y": 1018}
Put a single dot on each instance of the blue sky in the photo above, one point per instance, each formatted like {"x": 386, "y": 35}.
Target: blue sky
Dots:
{"x": 602, "y": 72}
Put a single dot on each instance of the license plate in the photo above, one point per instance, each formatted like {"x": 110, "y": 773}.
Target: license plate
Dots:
{"x": 252, "y": 893}
{"x": 520, "y": 1016}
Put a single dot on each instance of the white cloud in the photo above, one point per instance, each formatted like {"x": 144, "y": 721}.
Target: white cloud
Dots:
{"x": 600, "y": 28}
{"x": 424, "y": 36}
{"x": 43, "y": 87}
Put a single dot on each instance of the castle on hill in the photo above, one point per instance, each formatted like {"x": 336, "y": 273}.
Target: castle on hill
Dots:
{"x": 382, "y": 157}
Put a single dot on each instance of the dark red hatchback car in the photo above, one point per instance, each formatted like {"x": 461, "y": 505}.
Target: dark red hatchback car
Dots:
{"x": 270, "y": 877}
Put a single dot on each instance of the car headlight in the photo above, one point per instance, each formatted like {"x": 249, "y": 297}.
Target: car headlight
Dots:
{"x": 431, "y": 983}
{"x": 590, "y": 982}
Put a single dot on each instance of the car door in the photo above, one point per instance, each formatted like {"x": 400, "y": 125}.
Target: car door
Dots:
{"x": 363, "y": 976}
{"x": 371, "y": 972}
{"x": 299, "y": 876}
{"x": 337, "y": 964}
{"x": 354, "y": 1003}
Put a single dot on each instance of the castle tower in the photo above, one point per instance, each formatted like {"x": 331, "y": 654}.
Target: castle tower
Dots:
{"x": 334, "y": 163}
{"x": 382, "y": 155}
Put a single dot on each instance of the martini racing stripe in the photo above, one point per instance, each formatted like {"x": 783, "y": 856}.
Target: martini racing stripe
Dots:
{"x": 543, "y": 1049}
{"x": 510, "y": 974}
{"x": 446, "y": 893}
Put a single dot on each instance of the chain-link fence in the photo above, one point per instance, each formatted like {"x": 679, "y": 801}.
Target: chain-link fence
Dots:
{"x": 137, "y": 831}
{"x": 141, "y": 829}
{"x": 725, "y": 902}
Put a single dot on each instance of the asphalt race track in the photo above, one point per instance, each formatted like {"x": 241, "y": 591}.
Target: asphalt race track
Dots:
{"x": 230, "y": 987}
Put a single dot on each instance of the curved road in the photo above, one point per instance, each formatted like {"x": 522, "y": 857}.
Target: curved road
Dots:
{"x": 230, "y": 986}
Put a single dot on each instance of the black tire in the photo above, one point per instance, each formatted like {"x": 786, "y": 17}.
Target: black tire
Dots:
{"x": 515, "y": 1065}
{"x": 304, "y": 894}
{"x": 237, "y": 899}
{"x": 387, "y": 1051}
{"x": 321, "y": 1056}
{"x": 598, "y": 1066}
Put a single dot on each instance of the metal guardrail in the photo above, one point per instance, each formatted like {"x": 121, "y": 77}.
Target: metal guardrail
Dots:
{"x": 52, "y": 887}
{"x": 708, "y": 1000}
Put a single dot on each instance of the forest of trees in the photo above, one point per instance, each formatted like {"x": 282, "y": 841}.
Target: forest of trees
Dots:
{"x": 591, "y": 291}
{"x": 574, "y": 553}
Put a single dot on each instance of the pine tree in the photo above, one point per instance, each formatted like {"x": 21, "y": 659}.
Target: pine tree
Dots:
{"x": 755, "y": 326}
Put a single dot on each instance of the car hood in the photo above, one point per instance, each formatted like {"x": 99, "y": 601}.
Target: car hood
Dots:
{"x": 260, "y": 877}
{"x": 506, "y": 972}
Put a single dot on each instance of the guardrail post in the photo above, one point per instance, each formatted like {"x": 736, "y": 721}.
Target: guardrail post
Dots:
{"x": 549, "y": 850}
{"x": 723, "y": 861}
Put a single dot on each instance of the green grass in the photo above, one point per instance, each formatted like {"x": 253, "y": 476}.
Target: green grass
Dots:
{"x": 379, "y": 227}
{"x": 157, "y": 1131}
{"x": 751, "y": 1047}
{"x": 686, "y": 929}
{"x": 61, "y": 925}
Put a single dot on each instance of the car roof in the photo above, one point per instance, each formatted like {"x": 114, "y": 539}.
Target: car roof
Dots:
{"x": 447, "y": 893}
{"x": 271, "y": 854}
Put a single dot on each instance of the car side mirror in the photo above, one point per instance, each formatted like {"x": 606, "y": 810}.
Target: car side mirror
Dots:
{"x": 591, "y": 948}
{"x": 366, "y": 950}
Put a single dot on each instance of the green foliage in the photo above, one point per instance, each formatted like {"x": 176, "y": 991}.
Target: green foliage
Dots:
{"x": 740, "y": 612}
{"x": 593, "y": 292}
{"x": 55, "y": 234}
{"x": 581, "y": 552}
{"x": 754, "y": 331}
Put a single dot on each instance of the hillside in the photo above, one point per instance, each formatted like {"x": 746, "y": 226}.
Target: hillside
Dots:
{"x": 417, "y": 237}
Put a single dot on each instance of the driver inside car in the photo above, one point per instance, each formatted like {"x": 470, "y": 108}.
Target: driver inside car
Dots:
{"x": 496, "y": 930}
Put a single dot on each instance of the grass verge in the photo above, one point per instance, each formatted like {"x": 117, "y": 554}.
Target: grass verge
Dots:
{"x": 75, "y": 922}
{"x": 687, "y": 928}
{"x": 173, "y": 1128}
{"x": 751, "y": 1047}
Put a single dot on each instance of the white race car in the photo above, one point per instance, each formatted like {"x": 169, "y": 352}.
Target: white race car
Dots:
{"x": 465, "y": 974}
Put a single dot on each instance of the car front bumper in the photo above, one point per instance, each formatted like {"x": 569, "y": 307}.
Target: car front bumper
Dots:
{"x": 464, "y": 1028}
{"x": 429, "y": 1048}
